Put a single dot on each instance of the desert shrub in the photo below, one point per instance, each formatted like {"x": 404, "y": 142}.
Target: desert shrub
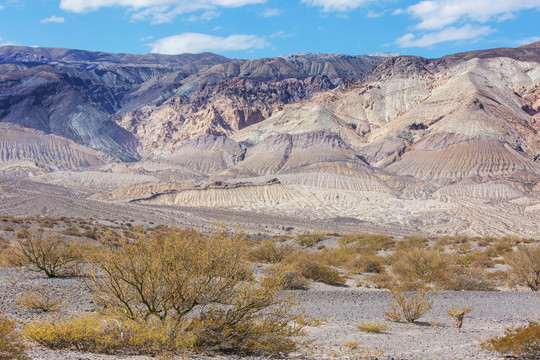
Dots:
{"x": 353, "y": 350}
{"x": 411, "y": 242}
{"x": 7, "y": 257}
{"x": 464, "y": 279}
{"x": 335, "y": 256}
{"x": 310, "y": 268}
{"x": 200, "y": 282}
{"x": 40, "y": 298}
{"x": 525, "y": 266}
{"x": 270, "y": 252}
{"x": 407, "y": 305}
{"x": 48, "y": 254}
{"x": 372, "y": 326}
{"x": 94, "y": 333}
{"x": 379, "y": 281}
{"x": 71, "y": 230}
{"x": 367, "y": 243}
{"x": 308, "y": 240}
{"x": 520, "y": 341}
{"x": 500, "y": 247}
{"x": 419, "y": 265}
{"x": 365, "y": 264}
{"x": 476, "y": 259}
{"x": 485, "y": 241}
{"x": 90, "y": 233}
{"x": 12, "y": 346}
{"x": 458, "y": 315}
{"x": 8, "y": 228}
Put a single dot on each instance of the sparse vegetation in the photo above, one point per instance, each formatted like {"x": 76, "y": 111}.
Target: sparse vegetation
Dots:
{"x": 458, "y": 315}
{"x": 407, "y": 305}
{"x": 525, "y": 266}
{"x": 310, "y": 268}
{"x": 519, "y": 341}
{"x": 12, "y": 346}
{"x": 199, "y": 283}
{"x": 372, "y": 326}
{"x": 308, "y": 240}
{"x": 48, "y": 253}
{"x": 39, "y": 298}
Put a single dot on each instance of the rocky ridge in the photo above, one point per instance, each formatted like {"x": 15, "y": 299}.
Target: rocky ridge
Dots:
{"x": 438, "y": 145}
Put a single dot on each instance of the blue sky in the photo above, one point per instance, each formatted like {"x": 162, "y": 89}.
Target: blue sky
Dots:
{"x": 266, "y": 28}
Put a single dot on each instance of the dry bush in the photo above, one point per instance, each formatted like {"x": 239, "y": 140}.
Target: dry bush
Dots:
{"x": 292, "y": 279}
{"x": 335, "y": 257}
{"x": 525, "y": 266}
{"x": 40, "y": 298}
{"x": 90, "y": 233}
{"x": 270, "y": 251}
{"x": 356, "y": 351}
{"x": 500, "y": 247}
{"x": 12, "y": 346}
{"x": 419, "y": 265}
{"x": 407, "y": 305}
{"x": 308, "y": 240}
{"x": 8, "y": 228}
{"x": 367, "y": 243}
{"x": 379, "y": 281}
{"x": 7, "y": 257}
{"x": 458, "y": 315}
{"x": 201, "y": 283}
{"x": 311, "y": 268}
{"x": 476, "y": 259}
{"x": 464, "y": 279}
{"x": 94, "y": 333}
{"x": 71, "y": 230}
{"x": 372, "y": 326}
{"x": 412, "y": 242}
{"x": 366, "y": 264}
{"x": 49, "y": 254}
{"x": 521, "y": 341}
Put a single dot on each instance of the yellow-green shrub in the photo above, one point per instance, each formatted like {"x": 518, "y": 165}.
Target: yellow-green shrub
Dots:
{"x": 189, "y": 277}
{"x": 419, "y": 265}
{"x": 407, "y": 305}
{"x": 525, "y": 266}
{"x": 308, "y": 240}
{"x": 311, "y": 268}
{"x": 270, "y": 252}
{"x": 101, "y": 334}
{"x": 49, "y": 253}
{"x": 12, "y": 347}
{"x": 365, "y": 264}
{"x": 520, "y": 341}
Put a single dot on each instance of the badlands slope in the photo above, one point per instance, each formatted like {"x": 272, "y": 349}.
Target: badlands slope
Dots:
{"x": 446, "y": 145}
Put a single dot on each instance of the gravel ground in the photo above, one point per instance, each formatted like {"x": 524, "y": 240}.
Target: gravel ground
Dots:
{"x": 432, "y": 337}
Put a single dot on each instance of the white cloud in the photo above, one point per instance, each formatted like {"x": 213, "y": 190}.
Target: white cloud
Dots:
{"x": 53, "y": 19}
{"x": 2, "y": 7}
{"x": 159, "y": 11}
{"x": 205, "y": 16}
{"x": 271, "y": 12}
{"x": 466, "y": 32}
{"x": 437, "y": 14}
{"x": 279, "y": 34}
{"x": 528, "y": 40}
{"x": 337, "y": 5}
{"x": 197, "y": 43}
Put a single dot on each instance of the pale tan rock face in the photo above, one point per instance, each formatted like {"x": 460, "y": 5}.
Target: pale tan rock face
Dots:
{"x": 443, "y": 146}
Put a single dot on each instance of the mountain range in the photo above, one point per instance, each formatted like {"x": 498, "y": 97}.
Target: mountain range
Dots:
{"x": 448, "y": 145}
